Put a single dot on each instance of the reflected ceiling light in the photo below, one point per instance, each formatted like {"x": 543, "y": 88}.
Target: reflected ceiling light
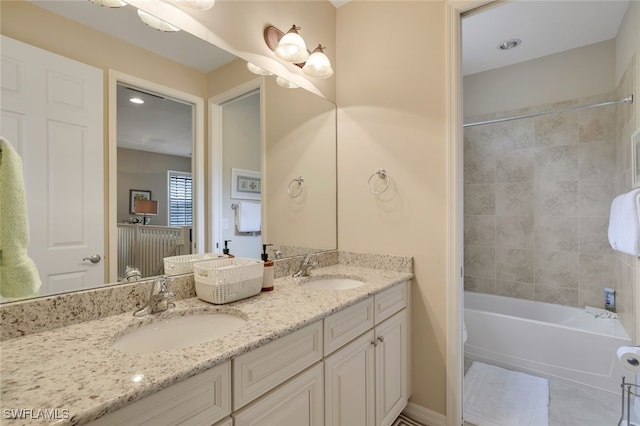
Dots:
{"x": 197, "y": 4}
{"x": 257, "y": 70}
{"x": 318, "y": 65}
{"x": 292, "y": 47}
{"x": 109, "y": 3}
{"x": 156, "y": 23}
{"x": 136, "y": 101}
{"x": 510, "y": 44}
{"x": 286, "y": 83}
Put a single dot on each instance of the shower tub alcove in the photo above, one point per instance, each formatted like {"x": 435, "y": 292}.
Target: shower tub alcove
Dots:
{"x": 547, "y": 340}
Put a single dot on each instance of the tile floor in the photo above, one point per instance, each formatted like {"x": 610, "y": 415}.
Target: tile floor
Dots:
{"x": 570, "y": 405}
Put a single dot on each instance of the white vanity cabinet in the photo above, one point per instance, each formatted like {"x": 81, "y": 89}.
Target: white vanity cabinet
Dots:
{"x": 199, "y": 400}
{"x": 366, "y": 381}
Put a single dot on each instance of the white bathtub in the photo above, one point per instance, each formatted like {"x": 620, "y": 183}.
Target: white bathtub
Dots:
{"x": 544, "y": 339}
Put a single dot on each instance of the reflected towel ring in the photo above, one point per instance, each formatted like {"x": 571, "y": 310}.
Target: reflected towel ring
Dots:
{"x": 291, "y": 189}
{"x": 382, "y": 174}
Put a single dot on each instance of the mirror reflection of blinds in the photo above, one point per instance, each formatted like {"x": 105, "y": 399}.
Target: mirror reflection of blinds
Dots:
{"x": 180, "y": 199}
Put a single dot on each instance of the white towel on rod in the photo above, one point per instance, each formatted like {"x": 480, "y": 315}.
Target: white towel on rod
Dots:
{"x": 624, "y": 223}
{"x": 248, "y": 217}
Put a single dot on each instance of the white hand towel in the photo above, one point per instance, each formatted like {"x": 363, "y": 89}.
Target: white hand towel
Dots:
{"x": 624, "y": 223}
{"x": 248, "y": 217}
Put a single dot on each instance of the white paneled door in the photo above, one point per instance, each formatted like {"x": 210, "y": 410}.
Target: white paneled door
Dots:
{"x": 52, "y": 111}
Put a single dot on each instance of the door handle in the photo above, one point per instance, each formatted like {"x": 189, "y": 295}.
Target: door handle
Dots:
{"x": 93, "y": 259}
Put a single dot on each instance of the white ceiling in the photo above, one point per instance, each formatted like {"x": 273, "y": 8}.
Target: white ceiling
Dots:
{"x": 545, "y": 27}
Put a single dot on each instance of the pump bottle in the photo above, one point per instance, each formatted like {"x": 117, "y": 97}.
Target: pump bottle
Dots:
{"x": 268, "y": 275}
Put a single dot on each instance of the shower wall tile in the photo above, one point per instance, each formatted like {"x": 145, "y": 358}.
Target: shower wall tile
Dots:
{"x": 479, "y": 199}
{"x": 515, "y": 134}
{"x": 537, "y": 197}
{"x": 591, "y": 298}
{"x": 596, "y": 196}
{"x": 557, "y": 163}
{"x": 557, "y": 129}
{"x": 554, "y": 233}
{"x": 480, "y": 285}
{"x": 515, "y": 165}
{"x": 514, "y": 199}
{"x": 559, "y": 269}
{"x": 594, "y": 235}
{"x": 556, "y": 198}
{"x": 557, "y": 295}
{"x": 480, "y": 230}
{"x": 515, "y": 289}
{"x": 479, "y": 170}
{"x": 596, "y": 272}
{"x": 480, "y": 262}
{"x": 597, "y": 160}
{"x": 514, "y": 231}
{"x": 514, "y": 265}
{"x": 598, "y": 124}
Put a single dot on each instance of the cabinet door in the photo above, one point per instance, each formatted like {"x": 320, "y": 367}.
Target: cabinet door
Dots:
{"x": 350, "y": 384}
{"x": 392, "y": 388}
{"x": 298, "y": 402}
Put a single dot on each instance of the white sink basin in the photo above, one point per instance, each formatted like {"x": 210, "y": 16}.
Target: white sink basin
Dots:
{"x": 178, "y": 332}
{"x": 331, "y": 283}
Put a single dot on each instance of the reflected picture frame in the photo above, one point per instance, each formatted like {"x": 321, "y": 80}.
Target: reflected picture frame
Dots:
{"x": 635, "y": 153}
{"x": 137, "y": 194}
{"x": 246, "y": 184}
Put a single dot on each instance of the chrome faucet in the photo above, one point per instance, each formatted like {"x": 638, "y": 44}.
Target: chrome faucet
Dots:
{"x": 159, "y": 299}
{"x": 305, "y": 267}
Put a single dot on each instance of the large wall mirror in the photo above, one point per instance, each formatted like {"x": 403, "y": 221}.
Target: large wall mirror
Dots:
{"x": 290, "y": 144}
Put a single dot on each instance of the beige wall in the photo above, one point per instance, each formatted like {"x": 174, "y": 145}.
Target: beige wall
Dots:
{"x": 575, "y": 73}
{"x": 241, "y": 147}
{"x": 391, "y": 114}
{"x": 147, "y": 171}
{"x": 300, "y": 140}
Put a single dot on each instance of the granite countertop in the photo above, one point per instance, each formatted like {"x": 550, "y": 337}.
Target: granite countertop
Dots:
{"x": 75, "y": 368}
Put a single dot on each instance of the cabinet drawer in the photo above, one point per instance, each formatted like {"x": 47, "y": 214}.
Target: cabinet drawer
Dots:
{"x": 344, "y": 326}
{"x": 299, "y": 402}
{"x": 262, "y": 369}
{"x": 200, "y": 400}
{"x": 389, "y": 302}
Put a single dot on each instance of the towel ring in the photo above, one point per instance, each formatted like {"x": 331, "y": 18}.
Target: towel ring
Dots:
{"x": 291, "y": 189}
{"x": 382, "y": 174}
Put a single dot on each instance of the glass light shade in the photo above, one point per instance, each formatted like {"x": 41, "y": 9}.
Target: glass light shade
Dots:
{"x": 197, "y": 4}
{"x": 257, "y": 70}
{"x": 318, "y": 65}
{"x": 109, "y": 3}
{"x": 156, "y": 23}
{"x": 292, "y": 47}
{"x": 286, "y": 83}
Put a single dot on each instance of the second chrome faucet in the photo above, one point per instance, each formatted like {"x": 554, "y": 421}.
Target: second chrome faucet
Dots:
{"x": 159, "y": 298}
{"x": 305, "y": 267}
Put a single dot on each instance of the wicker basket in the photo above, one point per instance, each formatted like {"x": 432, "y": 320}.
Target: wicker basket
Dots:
{"x": 175, "y": 265}
{"x": 229, "y": 279}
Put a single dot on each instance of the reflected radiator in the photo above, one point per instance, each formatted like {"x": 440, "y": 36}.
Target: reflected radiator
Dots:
{"x": 145, "y": 247}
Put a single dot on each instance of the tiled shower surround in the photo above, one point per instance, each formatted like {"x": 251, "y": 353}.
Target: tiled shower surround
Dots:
{"x": 536, "y": 202}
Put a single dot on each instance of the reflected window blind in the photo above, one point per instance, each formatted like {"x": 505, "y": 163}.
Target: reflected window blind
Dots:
{"x": 180, "y": 199}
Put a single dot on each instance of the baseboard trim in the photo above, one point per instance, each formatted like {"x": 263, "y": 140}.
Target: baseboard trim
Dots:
{"x": 424, "y": 415}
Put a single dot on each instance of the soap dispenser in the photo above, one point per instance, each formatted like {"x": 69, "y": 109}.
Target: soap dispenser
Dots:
{"x": 268, "y": 275}
{"x": 225, "y": 250}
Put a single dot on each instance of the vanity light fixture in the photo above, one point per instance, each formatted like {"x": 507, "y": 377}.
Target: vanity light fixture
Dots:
{"x": 197, "y": 4}
{"x": 292, "y": 47}
{"x": 136, "y": 101}
{"x": 257, "y": 70}
{"x": 318, "y": 65}
{"x": 286, "y": 83}
{"x": 156, "y": 23}
{"x": 109, "y": 3}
